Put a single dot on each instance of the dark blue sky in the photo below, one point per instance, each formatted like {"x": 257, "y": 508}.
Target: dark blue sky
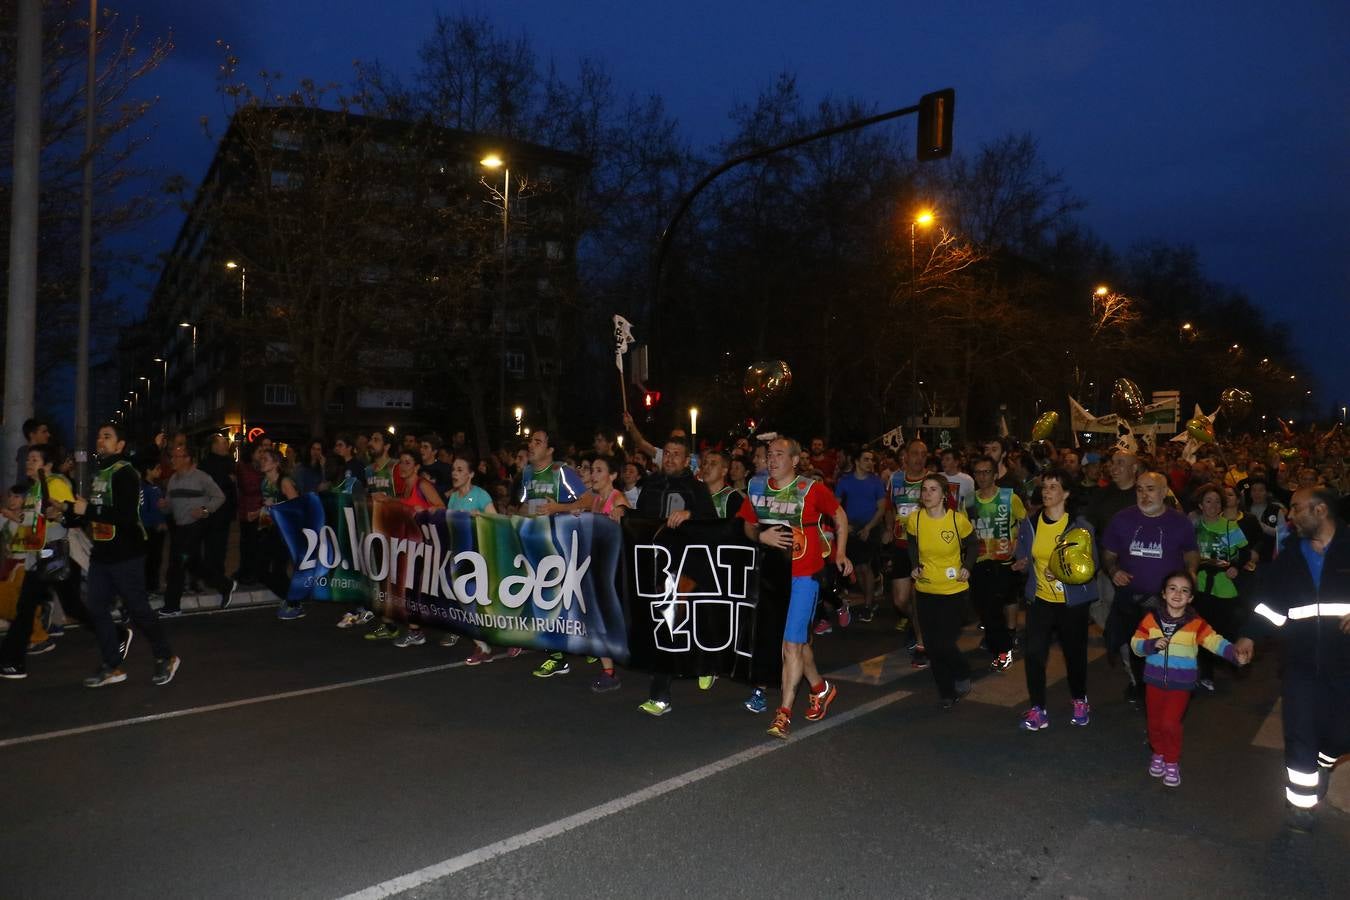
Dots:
{"x": 1219, "y": 123}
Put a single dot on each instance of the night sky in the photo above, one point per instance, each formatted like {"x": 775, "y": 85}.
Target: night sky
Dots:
{"x": 1221, "y": 124}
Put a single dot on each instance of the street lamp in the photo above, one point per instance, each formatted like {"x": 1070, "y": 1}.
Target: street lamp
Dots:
{"x": 163, "y": 388}
{"x": 239, "y": 363}
{"x": 494, "y": 161}
{"x": 923, "y": 220}
{"x": 192, "y": 376}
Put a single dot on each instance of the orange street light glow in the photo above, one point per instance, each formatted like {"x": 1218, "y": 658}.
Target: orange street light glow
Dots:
{"x": 924, "y": 218}
{"x": 491, "y": 161}
{"x": 1102, "y": 290}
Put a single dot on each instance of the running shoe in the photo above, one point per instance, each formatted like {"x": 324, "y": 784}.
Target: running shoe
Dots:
{"x": 124, "y": 642}
{"x": 14, "y": 673}
{"x": 1156, "y": 767}
{"x": 449, "y": 639}
{"x": 166, "y": 613}
{"x": 1207, "y": 684}
{"x": 553, "y": 665}
{"x": 348, "y": 620}
{"x": 1172, "y": 774}
{"x": 822, "y": 627}
{"x": 478, "y": 657}
{"x": 383, "y": 632}
{"x": 1082, "y": 711}
{"x": 291, "y": 611}
{"x": 165, "y": 669}
{"x": 758, "y": 701}
{"x": 655, "y": 707}
{"x": 1035, "y": 719}
{"x": 705, "y": 682}
{"x": 228, "y": 595}
{"x": 513, "y": 652}
{"x": 55, "y": 630}
{"x": 902, "y": 623}
{"x": 414, "y": 638}
{"x": 37, "y": 648}
{"x": 867, "y": 613}
{"x": 105, "y": 675}
{"x": 1002, "y": 661}
{"x": 605, "y": 683}
{"x": 845, "y": 618}
{"x": 592, "y": 660}
{"x": 819, "y": 704}
{"x": 781, "y": 727}
{"x": 919, "y": 659}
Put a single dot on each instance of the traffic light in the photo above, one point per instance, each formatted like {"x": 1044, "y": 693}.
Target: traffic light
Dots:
{"x": 650, "y": 399}
{"x": 936, "y": 111}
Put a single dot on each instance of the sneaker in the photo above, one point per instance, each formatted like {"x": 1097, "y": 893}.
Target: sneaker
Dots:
{"x": 513, "y": 652}
{"x": 478, "y": 657}
{"x": 165, "y": 669}
{"x": 414, "y": 638}
{"x": 553, "y": 665}
{"x": 705, "y": 682}
{"x": 226, "y": 597}
{"x": 867, "y": 613}
{"x": 124, "y": 644}
{"x": 1134, "y": 694}
{"x": 1082, "y": 711}
{"x": 1171, "y": 774}
{"x": 819, "y": 704}
{"x": 605, "y": 683}
{"x": 166, "y": 613}
{"x": 13, "y": 673}
{"x": 1001, "y": 661}
{"x": 55, "y": 630}
{"x": 758, "y": 701}
{"x": 919, "y": 659}
{"x": 1035, "y": 719}
{"x": 1156, "y": 766}
{"x": 823, "y": 626}
{"x": 383, "y": 632}
{"x": 449, "y": 639}
{"x": 845, "y": 617}
{"x": 347, "y": 620}
{"x": 781, "y": 727}
{"x": 291, "y": 611}
{"x": 1299, "y": 820}
{"x": 37, "y": 648}
{"x": 592, "y": 660}
{"x": 1207, "y": 684}
{"x": 902, "y": 623}
{"x": 655, "y": 707}
{"x": 106, "y": 675}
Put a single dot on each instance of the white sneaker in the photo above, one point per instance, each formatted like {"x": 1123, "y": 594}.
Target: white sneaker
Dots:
{"x": 413, "y": 638}
{"x": 364, "y": 616}
{"x": 347, "y": 620}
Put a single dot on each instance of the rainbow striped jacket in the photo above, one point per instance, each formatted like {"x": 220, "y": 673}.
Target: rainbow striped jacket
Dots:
{"x": 1175, "y": 667}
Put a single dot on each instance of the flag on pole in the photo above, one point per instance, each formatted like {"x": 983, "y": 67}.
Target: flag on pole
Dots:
{"x": 623, "y": 336}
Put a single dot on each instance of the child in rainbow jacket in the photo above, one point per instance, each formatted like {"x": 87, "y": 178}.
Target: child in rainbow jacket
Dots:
{"x": 1169, "y": 638}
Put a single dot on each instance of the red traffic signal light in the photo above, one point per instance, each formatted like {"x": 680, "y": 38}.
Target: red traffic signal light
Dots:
{"x": 650, "y": 399}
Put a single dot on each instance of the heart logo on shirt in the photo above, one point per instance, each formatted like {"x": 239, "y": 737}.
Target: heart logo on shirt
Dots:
{"x": 949, "y": 536}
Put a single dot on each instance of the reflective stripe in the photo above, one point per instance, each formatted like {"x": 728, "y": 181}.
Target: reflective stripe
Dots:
{"x": 1302, "y": 779}
{"x": 1302, "y": 801}
{"x": 1319, "y": 609}
{"x": 1325, "y": 761}
{"x": 1275, "y": 618}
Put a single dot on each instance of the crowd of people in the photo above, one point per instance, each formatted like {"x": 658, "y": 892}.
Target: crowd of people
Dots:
{"x": 1194, "y": 558}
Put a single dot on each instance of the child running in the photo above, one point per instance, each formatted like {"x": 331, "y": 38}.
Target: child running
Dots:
{"x": 1169, "y": 639}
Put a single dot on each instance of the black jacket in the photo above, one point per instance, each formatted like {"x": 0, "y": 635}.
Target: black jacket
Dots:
{"x": 657, "y": 497}
{"x": 1306, "y": 617}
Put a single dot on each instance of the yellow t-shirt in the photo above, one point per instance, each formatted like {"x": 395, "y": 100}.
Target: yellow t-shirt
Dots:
{"x": 939, "y": 549}
{"x": 1048, "y": 589}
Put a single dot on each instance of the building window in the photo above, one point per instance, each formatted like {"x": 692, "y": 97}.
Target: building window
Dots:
{"x": 384, "y": 398}
{"x": 278, "y": 395}
{"x": 515, "y": 362}
{"x": 553, "y": 250}
{"x": 220, "y": 398}
{"x": 283, "y": 139}
{"x": 283, "y": 180}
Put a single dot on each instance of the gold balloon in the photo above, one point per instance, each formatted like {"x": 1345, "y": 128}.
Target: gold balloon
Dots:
{"x": 766, "y": 382}
{"x": 1071, "y": 561}
{"x": 1045, "y": 426}
{"x": 1289, "y": 454}
{"x": 1235, "y": 403}
{"x": 1127, "y": 401}
{"x": 1201, "y": 430}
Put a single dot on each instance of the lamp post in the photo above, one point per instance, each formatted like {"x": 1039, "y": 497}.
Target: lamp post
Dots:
{"x": 163, "y": 388}
{"x": 239, "y": 363}
{"x": 494, "y": 161}
{"x": 923, "y": 219}
{"x": 192, "y": 376}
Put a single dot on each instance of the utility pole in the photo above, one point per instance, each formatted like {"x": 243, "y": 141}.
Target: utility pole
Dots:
{"x": 86, "y": 262}
{"x": 23, "y": 233}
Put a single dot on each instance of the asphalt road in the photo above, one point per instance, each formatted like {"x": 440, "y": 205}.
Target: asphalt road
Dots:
{"x": 295, "y": 760}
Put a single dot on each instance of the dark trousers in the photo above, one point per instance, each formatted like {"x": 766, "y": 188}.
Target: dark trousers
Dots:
{"x": 217, "y": 538}
{"x": 992, "y": 588}
{"x": 940, "y": 619}
{"x": 1316, "y": 713}
{"x": 185, "y": 555}
{"x": 276, "y": 559}
{"x": 126, "y": 579}
{"x": 32, "y": 593}
{"x": 660, "y": 687}
{"x": 1224, "y": 615}
{"x": 1071, "y": 624}
{"x": 1127, "y": 611}
{"x": 154, "y": 558}
{"x": 248, "y": 552}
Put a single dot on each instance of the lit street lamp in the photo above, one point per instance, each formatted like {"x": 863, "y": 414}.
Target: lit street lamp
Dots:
{"x": 494, "y": 161}
{"x": 924, "y": 219}
{"x": 192, "y": 376}
{"x": 239, "y": 363}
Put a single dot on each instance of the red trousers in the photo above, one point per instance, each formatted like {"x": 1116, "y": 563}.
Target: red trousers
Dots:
{"x": 1165, "y": 709}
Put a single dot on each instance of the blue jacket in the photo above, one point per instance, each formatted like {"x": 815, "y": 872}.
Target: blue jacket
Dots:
{"x": 1074, "y": 594}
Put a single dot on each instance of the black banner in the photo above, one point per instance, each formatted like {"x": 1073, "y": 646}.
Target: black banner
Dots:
{"x": 704, "y": 600}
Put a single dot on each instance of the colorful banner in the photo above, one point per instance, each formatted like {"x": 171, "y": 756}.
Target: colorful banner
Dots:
{"x": 700, "y": 599}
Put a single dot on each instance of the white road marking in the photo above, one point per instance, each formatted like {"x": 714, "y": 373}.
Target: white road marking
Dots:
{"x": 553, "y": 829}
{"x": 216, "y": 707}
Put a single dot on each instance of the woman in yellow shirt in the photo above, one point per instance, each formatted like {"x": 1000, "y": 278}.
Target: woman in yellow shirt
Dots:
{"x": 942, "y": 550}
